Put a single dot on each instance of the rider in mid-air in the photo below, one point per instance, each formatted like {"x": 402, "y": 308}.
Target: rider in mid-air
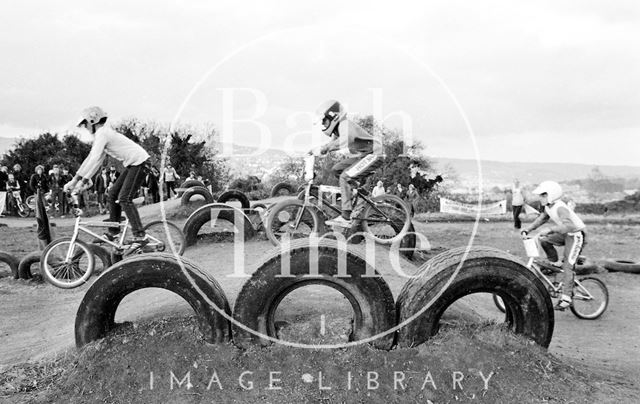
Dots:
{"x": 566, "y": 229}
{"x": 365, "y": 152}
{"x": 106, "y": 141}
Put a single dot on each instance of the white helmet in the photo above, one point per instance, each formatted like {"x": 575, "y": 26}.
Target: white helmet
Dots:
{"x": 551, "y": 188}
{"x": 92, "y": 116}
{"x": 330, "y": 113}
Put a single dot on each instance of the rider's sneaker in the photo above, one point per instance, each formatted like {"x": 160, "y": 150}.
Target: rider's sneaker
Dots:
{"x": 339, "y": 221}
{"x": 563, "y": 303}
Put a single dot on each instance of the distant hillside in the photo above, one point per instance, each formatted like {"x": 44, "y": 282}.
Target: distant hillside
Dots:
{"x": 503, "y": 173}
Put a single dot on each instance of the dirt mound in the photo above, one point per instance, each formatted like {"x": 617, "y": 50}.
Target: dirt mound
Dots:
{"x": 166, "y": 360}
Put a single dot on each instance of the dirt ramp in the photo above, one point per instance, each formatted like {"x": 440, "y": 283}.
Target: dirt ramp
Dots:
{"x": 457, "y": 273}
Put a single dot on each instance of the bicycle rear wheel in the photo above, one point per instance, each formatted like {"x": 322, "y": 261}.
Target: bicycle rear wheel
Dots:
{"x": 590, "y": 298}
{"x": 387, "y": 219}
{"x": 164, "y": 237}
{"x": 67, "y": 273}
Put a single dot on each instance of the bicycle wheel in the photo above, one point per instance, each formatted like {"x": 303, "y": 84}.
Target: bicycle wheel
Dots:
{"x": 387, "y": 219}
{"x": 163, "y": 236}
{"x": 23, "y": 209}
{"x": 281, "y": 219}
{"x": 67, "y": 273}
{"x": 590, "y": 298}
{"x": 499, "y": 303}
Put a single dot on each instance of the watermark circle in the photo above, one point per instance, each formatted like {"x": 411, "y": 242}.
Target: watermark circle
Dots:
{"x": 452, "y": 98}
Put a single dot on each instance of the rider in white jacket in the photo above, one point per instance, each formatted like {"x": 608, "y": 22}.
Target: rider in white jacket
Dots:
{"x": 566, "y": 229}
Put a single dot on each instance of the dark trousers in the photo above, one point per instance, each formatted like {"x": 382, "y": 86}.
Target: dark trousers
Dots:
{"x": 517, "y": 210}
{"x": 121, "y": 196}
{"x": 171, "y": 186}
{"x": 155, "y": 195}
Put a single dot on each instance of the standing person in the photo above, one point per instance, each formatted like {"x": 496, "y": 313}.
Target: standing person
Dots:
{"x": 399, "y": 191}
{"x": 55, "y": 185}
{"x": 21, "y": 178}
{"x": 100, "y": 186}
{"x": 4, "y": 177}
{"x": 517, "y": 202}
{"x": 170, "y": 176}
{"x": 13, "y": 187}
{"x": 378, "y": 189}
{"x": 412, "y": 198}
{"x": 151, "y": 183}
{"x": 39, "y": 181}
{"x": 107, "y": 141}
{"x": 65, "y": 178}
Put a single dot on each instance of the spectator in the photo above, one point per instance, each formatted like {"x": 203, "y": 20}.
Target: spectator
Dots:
{"x": 13, "y": 186}
{"x": 113, "y": 176}
{"x": 412, "y": 198}
{"x": 389, "y": 191}
{"x": 39, "y": 181}
{"x": 170, "y": 176}
{"x": 151, "y": 184}
{"x": 378, "y": 189}
{"x": 101, "y": 183}
{"x": 192, "y": 175}
{"x": 21, "y": 178}
{"x": 4, "y": 177}
{"x": 66, "y": 177}
{"x": 399, "y": 191}
{"x": 56, "y": 183}
{"x": 517, "y": 201}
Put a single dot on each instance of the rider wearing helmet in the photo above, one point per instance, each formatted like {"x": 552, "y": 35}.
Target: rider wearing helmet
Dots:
{"x": 566, "y": 229}
{"x": 106, "y": 141}
{"x": 365, "y": 152}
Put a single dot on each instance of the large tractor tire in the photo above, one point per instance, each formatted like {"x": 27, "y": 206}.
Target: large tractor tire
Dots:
{"x": 370, "y": 296}
{"x": 446, "y": 278}
{"x": 96, "y": 315}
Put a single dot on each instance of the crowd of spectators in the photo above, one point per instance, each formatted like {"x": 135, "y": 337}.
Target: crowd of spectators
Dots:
{"x": 16, "y": 185}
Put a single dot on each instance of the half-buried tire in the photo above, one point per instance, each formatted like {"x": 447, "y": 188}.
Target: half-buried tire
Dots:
{"x": 12, "y": 262}
{"x": 369, "y": 296}
{"x": 216, "y": 211}
{"x": 103, "y": 256}
{"x": 197, "y": 190}
{"x": 192, "y": 183}
{"x": 235, "y": 195}
{"x": 24, "y": 268}
{"x": 96, "y": 315}
{"x": 278, "y": 189}
{"x": 529, "y": 310}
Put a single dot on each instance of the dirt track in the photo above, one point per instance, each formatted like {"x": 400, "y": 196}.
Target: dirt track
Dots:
{"x": 38, "y": 320}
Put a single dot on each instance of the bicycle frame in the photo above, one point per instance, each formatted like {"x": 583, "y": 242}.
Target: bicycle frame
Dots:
{"x": 309, "y": 175}
{"x": 577, "y": 286}
{"x": 80, "y": 227}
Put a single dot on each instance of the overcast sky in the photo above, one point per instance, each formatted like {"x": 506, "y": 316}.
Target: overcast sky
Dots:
{"x": 538, "y": 81}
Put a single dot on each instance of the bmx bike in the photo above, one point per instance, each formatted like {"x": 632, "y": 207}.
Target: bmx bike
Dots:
{"x": 68, "y": 262}
{"x": 590, "y": 294}
{"x": 385, "y": 218}
{"x": 16, "y": 203}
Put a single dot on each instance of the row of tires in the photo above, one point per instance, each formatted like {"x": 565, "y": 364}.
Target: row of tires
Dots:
{"x": 378, "y": 319}
{"x": 193, "y": 188}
